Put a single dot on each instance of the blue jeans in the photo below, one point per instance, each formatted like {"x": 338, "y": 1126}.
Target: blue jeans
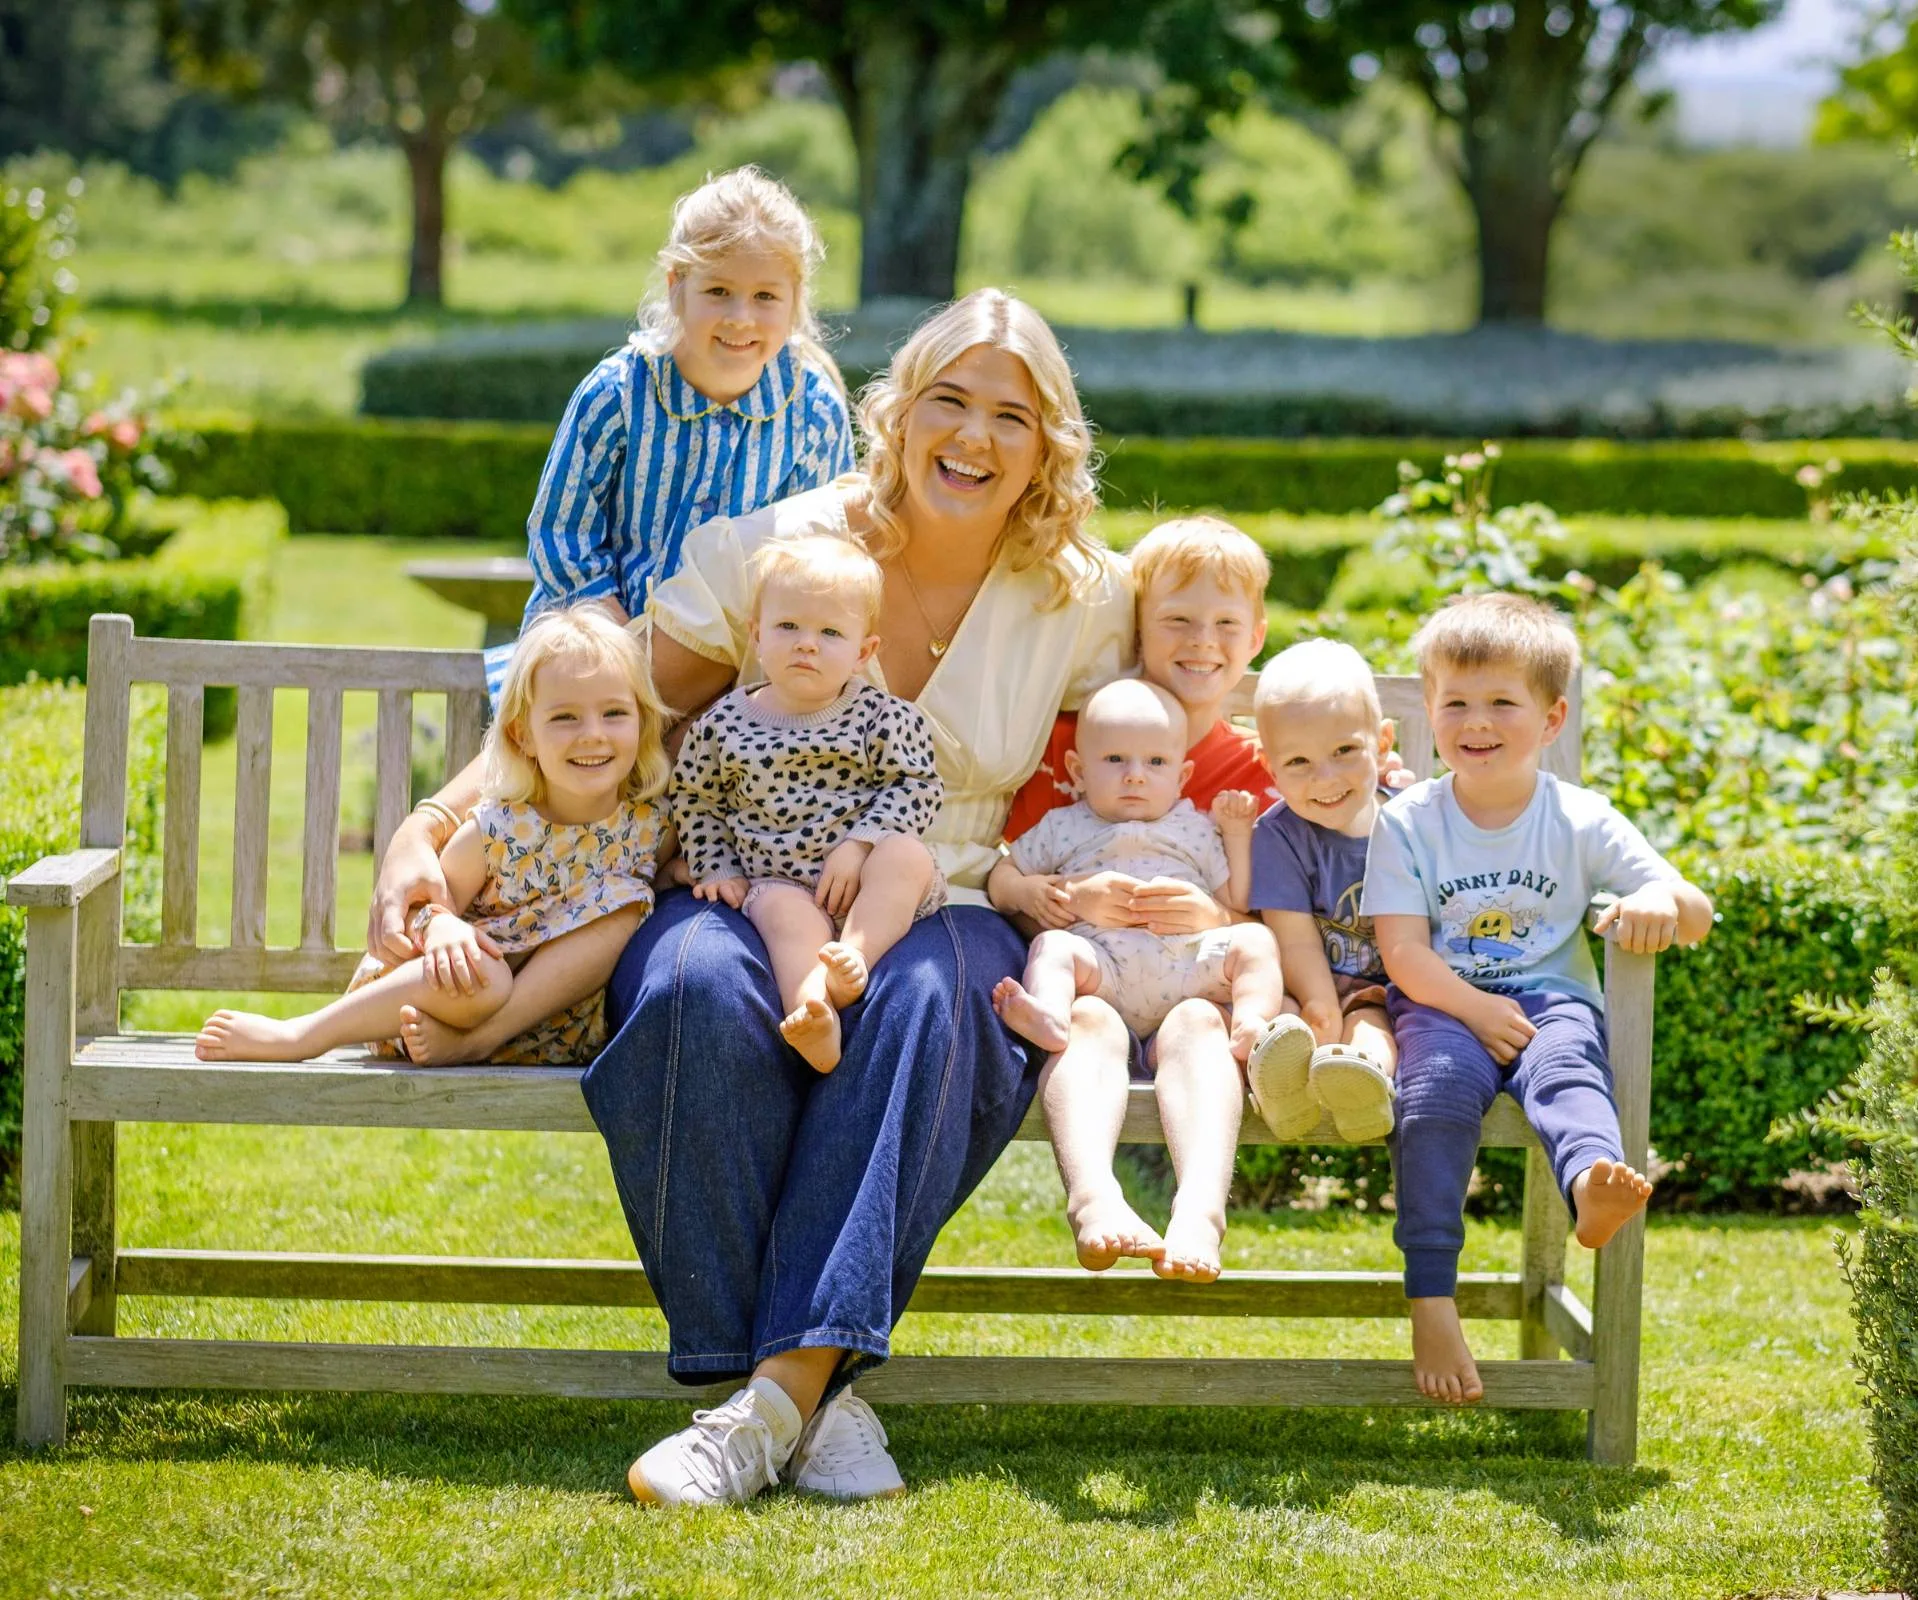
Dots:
{"x": 775, "y": 1208}
{"x": 1447, "y": 1081}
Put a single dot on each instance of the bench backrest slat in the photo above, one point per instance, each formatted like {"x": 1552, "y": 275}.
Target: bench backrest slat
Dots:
{"x": 180, "y": 879}
{"x": 252, "y": 799}
{"x": 300, "y": 666}
{"x": 320, "y": 850}
{"x": 393, "y": 766}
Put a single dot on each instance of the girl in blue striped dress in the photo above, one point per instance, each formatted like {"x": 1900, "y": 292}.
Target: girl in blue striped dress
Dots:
{"x": 723, "y": 401}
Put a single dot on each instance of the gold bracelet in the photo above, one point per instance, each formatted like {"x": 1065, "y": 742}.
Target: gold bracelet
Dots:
{"x": 446, "y": 821}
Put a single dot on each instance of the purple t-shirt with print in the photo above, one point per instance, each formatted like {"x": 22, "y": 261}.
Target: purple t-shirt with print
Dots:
{"x": 1299, "y": 866}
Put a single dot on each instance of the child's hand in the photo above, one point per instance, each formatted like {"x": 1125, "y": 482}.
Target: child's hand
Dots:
{"x": 1103, "y": 899}
{"x": 1235, "y": 810}
{"x": 731, "y": 890}
{"x": 1501, "y": 1025}
{"x": 1043, "y": 897}
{"x": 839, "y": 877}
{"x": 676, "y": 874}
{"x": 1394, "y": 774}
{"x": 450, "y": 952}
{"x": 1172, "y": 906}
{"x": 1646, "y": 920}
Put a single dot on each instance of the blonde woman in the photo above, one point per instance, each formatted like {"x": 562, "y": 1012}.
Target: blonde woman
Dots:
{"x": 732, "y": 1157}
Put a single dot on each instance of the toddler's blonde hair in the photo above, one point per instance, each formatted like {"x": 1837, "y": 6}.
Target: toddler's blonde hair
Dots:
{"x": 745, "y": 209}
{"x": 1126, "y": 695}
{"x": 1046, "y": 528}
{"x": 820, "y": 563}
{"x": 1486, "y": 630}
{"x": 582, "y": 638}
{"x": 1313, "y": 672}
{"x": 1187, "y": 549}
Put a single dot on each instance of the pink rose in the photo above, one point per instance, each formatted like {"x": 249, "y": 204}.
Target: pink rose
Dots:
{"x": 41, "y": 373}
{"x": 125, "y": 434}
{"x": 36, "y": 405}
{"x": 81, "y": 472}
{"x": 96, "y": 423}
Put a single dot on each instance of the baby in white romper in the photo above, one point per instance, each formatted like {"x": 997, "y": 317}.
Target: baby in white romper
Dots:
{"x": 1130, "y": 765}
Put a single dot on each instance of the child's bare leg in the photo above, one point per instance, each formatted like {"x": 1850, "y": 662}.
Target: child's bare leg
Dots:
{"x": 1060, "y": 968}
{"x": 1441, "y": 1360}
{"x": 793, "y": 928}
{"x": 897, "y": 873}
{"x": 1353, "y": 1080}
{"x": 369, "y": 1013}
{"x": 1082, "y": 1091}
{"x": 1369, "y": 1031}
{"x": 1606, "y": 1196}
{"x": 1201, "y": 1097}
{"x": 1258, "y": 990}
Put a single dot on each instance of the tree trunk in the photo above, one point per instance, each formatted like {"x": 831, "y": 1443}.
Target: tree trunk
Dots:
{"x": 919, "y": 104}
{"x": 1516, "y": 205}
{"x": 426, "y": 154}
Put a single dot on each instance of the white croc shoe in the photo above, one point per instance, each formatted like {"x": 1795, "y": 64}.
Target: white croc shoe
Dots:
{"x": 843, "y": 1453}
{"x": 726, "y": 1457}
{"x": 1277, "y": 1072}
{"x": 1357, "y": 1093}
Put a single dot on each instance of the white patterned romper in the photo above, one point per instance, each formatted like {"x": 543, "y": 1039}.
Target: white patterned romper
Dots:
{"x": 544, "y": 879}
{"x": 1142, "y": 975}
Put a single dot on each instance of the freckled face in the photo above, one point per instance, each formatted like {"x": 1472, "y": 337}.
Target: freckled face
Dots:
{"x": 972, "y": 441}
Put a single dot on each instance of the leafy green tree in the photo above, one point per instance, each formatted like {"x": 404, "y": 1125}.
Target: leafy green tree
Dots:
{"x": 1521, "y": 89}
{"x": 420, "y": 72}
{"x": 1877, "y": 95}
{"x": 920, "y": 84}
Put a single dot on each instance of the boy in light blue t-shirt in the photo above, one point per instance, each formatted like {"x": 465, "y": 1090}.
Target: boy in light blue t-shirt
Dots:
{"x": 1478, "y": 884}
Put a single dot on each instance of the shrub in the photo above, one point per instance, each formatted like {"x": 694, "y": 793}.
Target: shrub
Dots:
{"x": 40, "y": 728}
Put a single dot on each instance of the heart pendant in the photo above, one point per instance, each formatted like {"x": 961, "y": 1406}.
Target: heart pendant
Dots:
{"x": 937, "y": 647}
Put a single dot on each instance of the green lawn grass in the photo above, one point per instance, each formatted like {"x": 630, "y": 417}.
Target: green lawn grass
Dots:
{"x": 1751, "y": 1478}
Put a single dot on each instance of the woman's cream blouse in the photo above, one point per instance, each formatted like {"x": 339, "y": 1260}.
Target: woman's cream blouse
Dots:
{"x": 991, "y": 698}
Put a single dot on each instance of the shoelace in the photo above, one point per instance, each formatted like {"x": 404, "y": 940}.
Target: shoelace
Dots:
{"x": 855, "y": 1430}
{"x": 732, "y": 1443}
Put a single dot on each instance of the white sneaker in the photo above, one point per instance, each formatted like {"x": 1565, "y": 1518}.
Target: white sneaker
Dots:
{"x": 1277, "y": 1072}
{"x": 726, "y": 1457}
{"x": 843, "y": 1453}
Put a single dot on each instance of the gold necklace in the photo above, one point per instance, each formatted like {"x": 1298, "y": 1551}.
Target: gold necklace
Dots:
{"x": 936, "y": 646}
{"x": 665, "y": 405}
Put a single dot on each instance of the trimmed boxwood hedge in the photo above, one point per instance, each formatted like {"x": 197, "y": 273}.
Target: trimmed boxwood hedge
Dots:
{"x": 478, "y": 479}
{"x": 1731, "y": 1056}
{"x": 40, "y": 729}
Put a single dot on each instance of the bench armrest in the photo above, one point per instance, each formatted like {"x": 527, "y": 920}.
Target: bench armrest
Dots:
{"x": 63, "y": 881}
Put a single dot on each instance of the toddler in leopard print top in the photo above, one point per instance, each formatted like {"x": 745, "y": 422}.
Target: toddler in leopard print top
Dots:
{"x": 801, "y": 800}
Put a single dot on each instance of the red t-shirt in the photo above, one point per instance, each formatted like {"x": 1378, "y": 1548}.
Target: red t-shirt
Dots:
{"x": 1228, "y": 757}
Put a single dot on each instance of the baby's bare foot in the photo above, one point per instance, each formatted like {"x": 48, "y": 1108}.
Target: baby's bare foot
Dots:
{"x": 1027, "y": 1018}
{"x": 813, "y": 1030}
{"x": 248, "y": 1036}
{"x": 1104, "y": 1228}
{"x": 1441, "y": 1360}
{"x": 1606, "y": 1196}
{"x": 845, "y": 973}
{"x": 1191, "y": 1247}
{"x": 428, "y": 1042}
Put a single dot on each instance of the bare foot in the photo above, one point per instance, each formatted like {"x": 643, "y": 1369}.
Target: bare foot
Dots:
{"x": 845, "y": 973}
{"x": 1441, "y": 1360}
{"x": 1191, "y": 1248}
{"x": 248, "y": 1036}
{"x": 1027, "y": 1018}
{"x": 1606, "y": 1196}
{"x": 1104, "y": 1228}
{"x": 428, "y": 1042}
{"x": 813, "y": 1030}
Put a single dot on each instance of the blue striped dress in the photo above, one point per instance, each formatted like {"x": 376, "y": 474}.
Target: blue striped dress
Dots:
{"x": 642, "y": 457}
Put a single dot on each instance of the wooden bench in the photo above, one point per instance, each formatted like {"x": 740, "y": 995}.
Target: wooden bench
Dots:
{"x": 84, "y": 1077}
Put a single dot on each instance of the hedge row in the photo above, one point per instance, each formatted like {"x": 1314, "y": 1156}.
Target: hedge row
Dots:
{"x": 40, "y": 729}
{"x": 477, "y": 479}
{"x": 1731, "y": 1057}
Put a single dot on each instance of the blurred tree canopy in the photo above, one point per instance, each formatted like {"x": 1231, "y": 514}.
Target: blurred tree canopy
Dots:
{"x": 1521, "y": 89}
{"x": 1877, "y": 95}
{"x": 921, "y": 85}
{"x": 420, "y": 72}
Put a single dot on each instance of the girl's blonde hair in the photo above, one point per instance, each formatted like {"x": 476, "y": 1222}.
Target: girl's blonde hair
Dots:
{"x": 580, "y": 638}
{"x": 745, "y": 209}
{"x": 1046, "y": 528}
{"x": 820, "y": 563}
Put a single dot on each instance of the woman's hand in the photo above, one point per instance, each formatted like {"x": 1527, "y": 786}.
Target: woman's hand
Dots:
{"x": 410, "y": 877}
{"x": 1171, "y": 906}
{"x": 1103, "y": 899}
{"x": 731, "y": 890}
{"x": 450, "y": 949}
{"x": 839, "y": 877}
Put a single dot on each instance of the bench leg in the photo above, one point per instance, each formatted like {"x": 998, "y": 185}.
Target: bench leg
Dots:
{"x": 95, "y": 1234}
{"x": 46, "y": 1167}
{"x": 1542, "y": 1264}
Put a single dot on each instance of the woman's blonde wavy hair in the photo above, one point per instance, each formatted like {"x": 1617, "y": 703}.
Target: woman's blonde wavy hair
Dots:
{"x": 1047, "y": 528}
{"x": 582, "y": 638}
{"x": 745, "y": 209}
